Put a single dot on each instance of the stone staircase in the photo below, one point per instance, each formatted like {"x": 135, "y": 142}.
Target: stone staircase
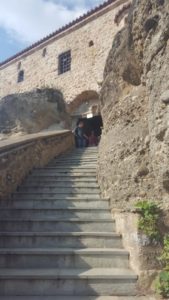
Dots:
{"x": 58, "y": 239}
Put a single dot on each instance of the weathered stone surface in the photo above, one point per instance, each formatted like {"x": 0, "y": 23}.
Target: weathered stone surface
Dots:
{"x": 33, "y": 112}
{"x": 18, "y": 158}
{"x": 144, "y": 253}
{"x": 165, "y": 97}
{"x": 133, "y": 155}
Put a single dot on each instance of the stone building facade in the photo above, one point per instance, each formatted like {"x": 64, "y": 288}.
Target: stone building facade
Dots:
{"x": 71, "y": 59}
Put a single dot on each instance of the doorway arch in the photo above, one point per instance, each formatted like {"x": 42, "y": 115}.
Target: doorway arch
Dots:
{"x": 86, "y": 107}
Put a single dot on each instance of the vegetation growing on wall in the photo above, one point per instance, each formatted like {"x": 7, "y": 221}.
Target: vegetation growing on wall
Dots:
{"x": 148, "y": 224}
{"x": 162, "y": 284}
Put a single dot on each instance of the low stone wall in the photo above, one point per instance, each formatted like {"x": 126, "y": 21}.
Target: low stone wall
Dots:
{"x": 143, "y": 253}
{"x": 19, "y": 157}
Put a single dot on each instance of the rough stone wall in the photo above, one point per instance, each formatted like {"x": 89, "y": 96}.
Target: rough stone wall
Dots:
{"x": 144, "y": 253}
{"x": 18, "y": 159}
{"x": 134, "y": 150}
{"x": 87, "y": 62}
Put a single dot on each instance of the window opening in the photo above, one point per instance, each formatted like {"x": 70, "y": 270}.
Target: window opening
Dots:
{"x": 64, "y": 62}
{"x": 21, "y": 76}
{"x": 44, "y": 52}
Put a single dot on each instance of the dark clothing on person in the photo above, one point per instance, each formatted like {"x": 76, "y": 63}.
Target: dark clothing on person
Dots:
{"x": 80, "y": 138}
{"x": 93, "y": 140}
{"x": 79, "y": 132}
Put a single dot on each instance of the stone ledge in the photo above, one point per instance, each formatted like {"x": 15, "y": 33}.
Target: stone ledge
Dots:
{"x": 18, "y": 157}
{"x": 28, "y": 138}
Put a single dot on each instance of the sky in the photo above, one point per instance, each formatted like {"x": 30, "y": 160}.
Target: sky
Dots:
{"x": 23, "y": 22}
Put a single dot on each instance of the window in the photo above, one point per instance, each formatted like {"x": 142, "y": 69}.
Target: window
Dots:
{"x": 19, "y": 65}
{"x": 64, "y": 62}
{"x": 44, "y": 52}
{"x": 21, "y": 76}
{"x": 91, "y": 43}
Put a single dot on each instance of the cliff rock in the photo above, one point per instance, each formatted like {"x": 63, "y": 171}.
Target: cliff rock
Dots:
{"x": 33, "y": 111}
{"x": 134, "y": 150}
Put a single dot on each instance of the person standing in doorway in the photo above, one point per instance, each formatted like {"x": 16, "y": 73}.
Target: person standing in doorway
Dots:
{"x": 80, "y": 136}
{"x": 93, "y": 140}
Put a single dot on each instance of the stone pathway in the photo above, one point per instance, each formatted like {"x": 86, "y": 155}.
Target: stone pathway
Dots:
{"x": 58, "y": 239}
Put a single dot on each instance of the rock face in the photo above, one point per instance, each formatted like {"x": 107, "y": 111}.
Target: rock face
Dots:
{"x": 134, "y": 150}
{"x": 32, "y": 112}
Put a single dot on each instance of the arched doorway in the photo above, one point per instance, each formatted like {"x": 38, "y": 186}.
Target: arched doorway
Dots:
{"x": 86, "y": 108}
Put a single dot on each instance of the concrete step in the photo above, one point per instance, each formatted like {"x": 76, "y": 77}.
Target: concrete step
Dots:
{"x": 60, "y": 239}
{"x": 48, "y": 183}
{"x": 79, "y": 154}
{"x": 86, "y": 150}
{"x": 78, "y": 170}
{"x": 62, "y": 177}
{"x": 78, "y": 161}
{"x": 49, "y": 203}
{"x": 52, "y": 224}
{"x": 67, "y": 282}
{"x": 59, "y": 190}
{"x": 93, "y": 148}
{"x": 65, "y": 258}
{"x": 85, "y": 155}
{"x": 82, "y": 161}
{"x": 82, "y": 155}
{"x": 55, "y": 195}
{"x": 64, "y": 173}
{"x": 71, "y": 164}
{"x": 76, "y": 153}
{"x": 68, "y": 212}
{"x": 75, "y": 159}
{"x": 65, "y": 168}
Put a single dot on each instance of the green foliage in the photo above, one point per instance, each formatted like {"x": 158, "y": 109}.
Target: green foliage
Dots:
{"x": 148, "y": 222}
{"x": 162, "y": 284}
{"x": 147, "y": 207}
{"x": 164, "y": 258}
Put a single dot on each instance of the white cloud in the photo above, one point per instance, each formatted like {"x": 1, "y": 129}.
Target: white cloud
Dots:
{"x": 79, "y": 3}
{"x": 29, "y": 20}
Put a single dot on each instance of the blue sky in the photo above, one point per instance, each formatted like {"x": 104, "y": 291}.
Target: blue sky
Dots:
{"x": 23, "y": 22}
